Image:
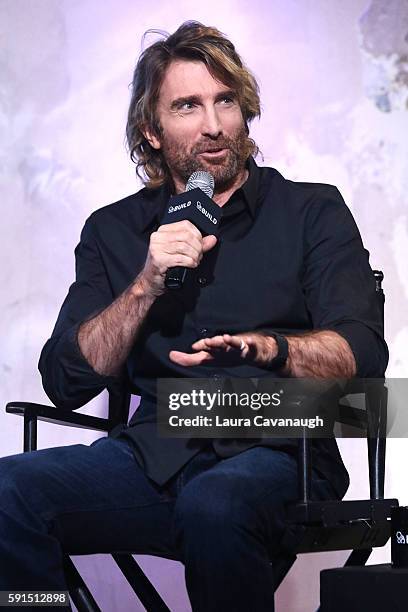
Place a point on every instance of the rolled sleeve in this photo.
(339, 284)
(369, 349)
(68, 378)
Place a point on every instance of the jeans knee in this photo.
(18, 482)
(9, 473)
(207, 509)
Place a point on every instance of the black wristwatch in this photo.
(283, 351)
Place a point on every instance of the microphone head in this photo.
(203, 180)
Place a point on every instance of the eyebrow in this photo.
(194, 99)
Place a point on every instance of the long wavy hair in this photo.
(191, 41)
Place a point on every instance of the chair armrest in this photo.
(51, 414)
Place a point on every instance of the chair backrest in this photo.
(379, 277)
(374, 418)
(119, 402)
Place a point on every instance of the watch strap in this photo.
(283, 352)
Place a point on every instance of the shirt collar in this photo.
(250, 188)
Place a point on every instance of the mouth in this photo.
(214, 153)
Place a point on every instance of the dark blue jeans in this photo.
(222, 517)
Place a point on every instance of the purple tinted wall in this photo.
(334, 87)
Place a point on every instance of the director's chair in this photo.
(313, 526)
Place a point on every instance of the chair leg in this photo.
(30, 433)
(79, 592)
(281, 567)
(139, 582)
(304, 467)
(358, 557)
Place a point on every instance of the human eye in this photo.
(186, 106)
(227, 100)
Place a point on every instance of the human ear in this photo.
(151, 137)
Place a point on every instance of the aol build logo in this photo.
(401, 538)
(179, 206)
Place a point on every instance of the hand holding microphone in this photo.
(189, 229)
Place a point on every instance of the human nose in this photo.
(211, 123)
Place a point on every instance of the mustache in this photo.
(212, 146)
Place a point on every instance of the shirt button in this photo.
(202, 280)
(204, 332)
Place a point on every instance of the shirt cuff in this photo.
(368, 347)
(68, 379)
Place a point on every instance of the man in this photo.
(285, 289)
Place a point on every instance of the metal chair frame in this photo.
(319, 526)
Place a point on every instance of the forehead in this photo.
(185, 78)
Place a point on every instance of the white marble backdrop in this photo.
(334, 85)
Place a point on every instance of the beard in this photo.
(182, 161)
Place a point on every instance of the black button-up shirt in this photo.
(289, 258)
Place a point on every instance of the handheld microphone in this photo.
(195, 205)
